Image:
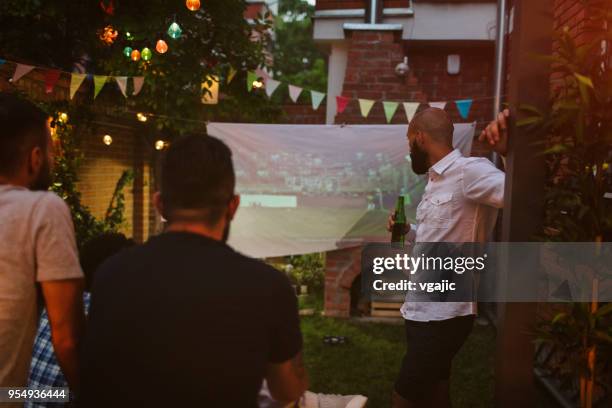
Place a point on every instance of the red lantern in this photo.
(161, 46)
(193, 5)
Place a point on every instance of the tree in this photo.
(67, 32)
(296, 57)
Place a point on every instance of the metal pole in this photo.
(500, 53)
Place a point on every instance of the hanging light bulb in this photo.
(161, 46)
(135, 55)
(160, 144)
(127, 51)
(146, 54)
(257, 84)
(107, 140)
(62, 117)
(193, 5)
(174, 31)
(141, 117)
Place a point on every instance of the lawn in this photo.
(369, 362)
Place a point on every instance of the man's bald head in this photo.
(436, 124)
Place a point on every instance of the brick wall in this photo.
(102, 165)
(303, 114)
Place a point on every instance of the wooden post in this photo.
(528, 83)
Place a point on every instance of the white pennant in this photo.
(439, 105)
(20, 71)
(294, 92)
(122, 83)
(410, 108)
(138, 82)
(271, 85)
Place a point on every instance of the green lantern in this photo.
(174, 31)
(127, 51)
(146, 54)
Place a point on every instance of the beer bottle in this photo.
(399, 226)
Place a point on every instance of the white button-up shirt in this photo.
(460, 204)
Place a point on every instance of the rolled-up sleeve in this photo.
(484, 183)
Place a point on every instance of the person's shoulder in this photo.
(476, 162)
(260, 270)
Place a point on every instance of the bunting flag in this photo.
(365, 105)
(251, 77)
(271, 85)
(341, 103)
(464, 106)
(2, 61)
(390, 108)
(316, 98)
(51, 78)
(262, 73)
(122, 83)
(138, 83)
(231, 73)
(210, 90)
(439, 105)
(294, 92)
(99, 81)
(410, 108)
(75, 82)
(20, 71)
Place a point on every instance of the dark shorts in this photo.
(430, 349)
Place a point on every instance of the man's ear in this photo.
(233, 206)
(157, 202)
(35, 161)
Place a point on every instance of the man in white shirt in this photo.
(459, 205)
(37, 248)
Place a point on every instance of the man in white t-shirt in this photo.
(37, 248)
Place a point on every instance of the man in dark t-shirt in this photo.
(184, 320)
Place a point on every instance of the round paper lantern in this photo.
(174, 31)
(127, 51)
(146, 54)
(135, 55)
(107, 140)
(193, 5)
(161, 46)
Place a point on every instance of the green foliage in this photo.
(59, 33)
(307, 270)
(579, 149)
(296, 57)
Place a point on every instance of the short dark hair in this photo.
(198, 175)
(436, 123)
(98, 249)
(22, 127)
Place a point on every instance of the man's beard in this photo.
(43, 181)
(419, 159)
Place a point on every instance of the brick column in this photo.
(342, 267)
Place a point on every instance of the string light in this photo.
(62, 117)
(257, 84)
(146, 54)
(127, 51)
(161, 46)
(160, 144)
(174, 31)
(193, 5)
(141, 117)
(135, 55)
(107, 140)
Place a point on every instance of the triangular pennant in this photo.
(122, 83)
(75, 82)
(51, 78)
(99, 81)
(463, 106)
(20, 71)
(210, 90)
(251, 77)
(271, 85)
(262, 73)
(365, 105)
(439, 105)
(341, 102)
(231, 73)
(294, 92)
(390, 108)
(410, 108)
(138, 83)
(316, 98)
(2, 61)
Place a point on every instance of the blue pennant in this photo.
(463, 106)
